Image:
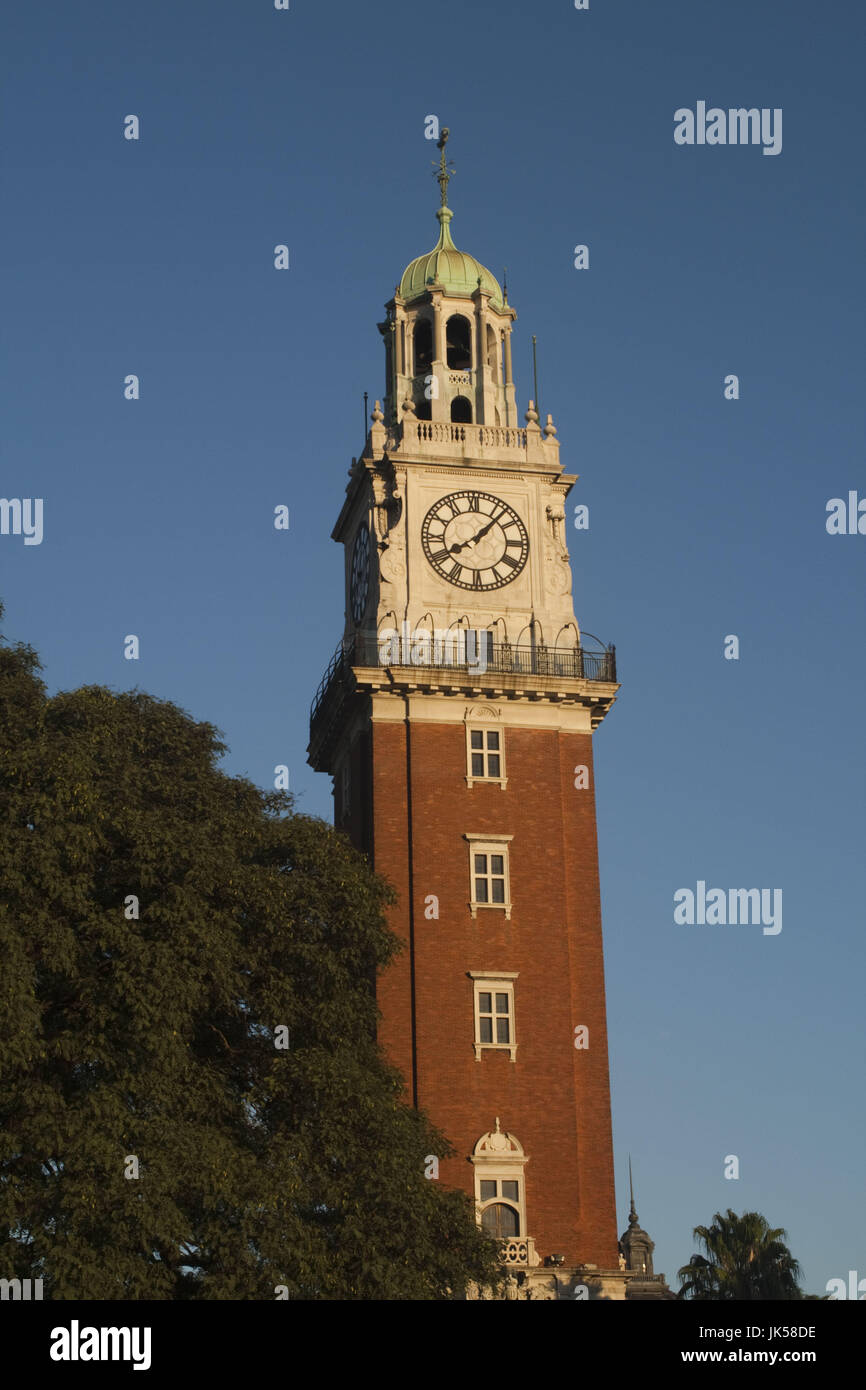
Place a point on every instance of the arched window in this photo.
(498, 1156)
(461, 411)
(423, 410)
(422, 342)
(501, 1221)
(458, 343)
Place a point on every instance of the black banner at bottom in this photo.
(252, 1340)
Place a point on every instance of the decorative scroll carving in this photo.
(387, 511)
(557, 571)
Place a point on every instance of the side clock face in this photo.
(475, 540)
(360, 584)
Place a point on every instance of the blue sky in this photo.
(707, 516)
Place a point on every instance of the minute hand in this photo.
(478, 534)
(484, 529)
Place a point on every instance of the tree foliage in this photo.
(744, 1259)
(153, 1038)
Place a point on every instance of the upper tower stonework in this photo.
(491, 557)
(456, 718)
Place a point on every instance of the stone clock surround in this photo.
(394, 493)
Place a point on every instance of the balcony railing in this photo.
(469, 652)
(518, 1252)
(486, 436)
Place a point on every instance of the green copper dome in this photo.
(457, 271)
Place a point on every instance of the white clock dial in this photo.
(475, 540)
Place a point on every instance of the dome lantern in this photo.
(448, 333)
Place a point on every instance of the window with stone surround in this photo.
(500, 1199)
(485, 754)
(489, 884)
(494, 1012)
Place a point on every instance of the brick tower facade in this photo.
(456, 719)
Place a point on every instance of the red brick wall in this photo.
(554, 1098)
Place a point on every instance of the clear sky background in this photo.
(707, 517)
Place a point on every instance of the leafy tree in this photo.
(744, 1259)
(160, 922)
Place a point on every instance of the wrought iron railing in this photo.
(466, 651)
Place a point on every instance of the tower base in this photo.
(580, 1283)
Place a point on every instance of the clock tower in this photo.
(456, 718)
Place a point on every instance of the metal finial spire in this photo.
(444, 168)
(505, 284)
(632, 1215)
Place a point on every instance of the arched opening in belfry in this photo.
(422, 346)
(493, 351)
(458, 343)
(461, 411)
(423, 410)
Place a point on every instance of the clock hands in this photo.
(484, 529)
(453, 549)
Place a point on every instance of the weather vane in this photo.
(443, 170)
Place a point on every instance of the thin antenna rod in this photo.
(535, 376)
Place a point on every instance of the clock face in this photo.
(475, 540)
(360, 585)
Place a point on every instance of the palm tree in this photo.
(745, 1259)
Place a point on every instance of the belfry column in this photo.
(438, 368)
(510, 401)
(485, 391)
(404, 384)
